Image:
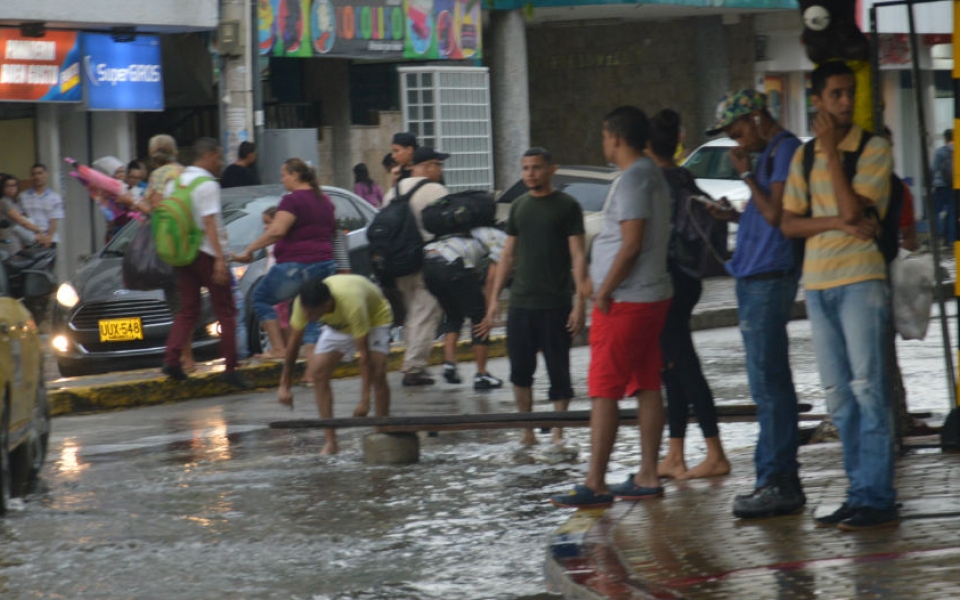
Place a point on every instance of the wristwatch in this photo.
(746, 175)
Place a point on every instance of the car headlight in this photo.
(238, 272)
(213, 329)
(67, 296)
(61, 344)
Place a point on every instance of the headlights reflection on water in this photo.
(69, 461)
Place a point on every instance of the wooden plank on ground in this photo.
(514, 420)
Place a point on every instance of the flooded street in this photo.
(201, 500)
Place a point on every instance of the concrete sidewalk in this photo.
(689, 545)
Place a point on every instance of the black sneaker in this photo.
(780, 496)
(866, 517)
(833, 519)
(450, 373)
(486, 381)
(416, 378)
(174, 372)
(236, 380)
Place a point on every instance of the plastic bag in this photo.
(142, 267)
(911, 281)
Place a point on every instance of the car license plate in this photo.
(121, 330)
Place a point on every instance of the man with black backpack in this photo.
(422, 310)
(846, 291)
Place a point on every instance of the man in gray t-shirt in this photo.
(632, 293)
(641, 193)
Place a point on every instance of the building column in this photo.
(510, 95)
(236, 81)
(328, 79)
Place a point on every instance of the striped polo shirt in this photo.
(835, 258)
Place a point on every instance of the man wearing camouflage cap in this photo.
(765, 267)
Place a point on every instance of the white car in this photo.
(711, 166)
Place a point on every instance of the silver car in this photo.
(95, 295)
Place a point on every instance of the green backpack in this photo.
(175, 231)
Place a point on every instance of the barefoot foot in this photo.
(330, 448)
(673, 468)
(529, 439)
(710, 467)
(362, 409)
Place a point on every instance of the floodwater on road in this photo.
(200, 500)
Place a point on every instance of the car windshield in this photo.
(711, 162)
(589, 193)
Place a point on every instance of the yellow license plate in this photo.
(121, 330)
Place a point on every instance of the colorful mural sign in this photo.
(44, 69)
(443, 29)
(345, 28)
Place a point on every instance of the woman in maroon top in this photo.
(302, 233)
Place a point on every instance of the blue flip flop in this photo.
(582, 497)
(628, 490)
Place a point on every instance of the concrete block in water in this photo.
(391, 448)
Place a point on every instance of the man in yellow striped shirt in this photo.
(846, 292)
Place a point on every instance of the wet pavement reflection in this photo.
(201, 500)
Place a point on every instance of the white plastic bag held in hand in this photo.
(912, 281)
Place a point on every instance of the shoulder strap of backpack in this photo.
(407, 196)
(809, 149)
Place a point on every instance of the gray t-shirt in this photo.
(640, 193)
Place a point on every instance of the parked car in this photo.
(24, 411)
(711, 167)
(587, 185)
(95, 295)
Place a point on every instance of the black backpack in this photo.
(460, 212)
(698, 242)
(396, 246)
(888, 242)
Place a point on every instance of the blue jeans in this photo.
(848, 324)
(281, 283)
(946, 213)
(763, 306)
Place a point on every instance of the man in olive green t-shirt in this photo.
(545, 251)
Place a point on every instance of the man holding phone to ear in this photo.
(765, 267)
(847, 300)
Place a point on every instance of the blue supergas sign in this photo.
(122, 75)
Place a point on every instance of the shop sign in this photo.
(443, 29)
(345, 28)
(123, 75)
(43, 69)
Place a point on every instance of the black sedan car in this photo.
(100, 326)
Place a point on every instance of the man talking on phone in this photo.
(844, 276)
(766, 268)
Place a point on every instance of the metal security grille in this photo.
(449, 108)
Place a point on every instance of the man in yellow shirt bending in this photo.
(357, 318)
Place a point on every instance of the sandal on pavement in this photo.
(628, 490)
(582, 497)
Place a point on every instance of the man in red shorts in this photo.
(632, 295)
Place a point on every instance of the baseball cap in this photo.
(425, 153)
(406, 139)
(735, 105)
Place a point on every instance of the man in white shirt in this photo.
(43, 206)
(208, 270)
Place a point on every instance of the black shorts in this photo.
(544, 330)
(459, 293)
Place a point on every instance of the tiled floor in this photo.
(688, 545)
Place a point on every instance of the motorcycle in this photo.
(27, 273)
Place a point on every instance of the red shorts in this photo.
(625, 349)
